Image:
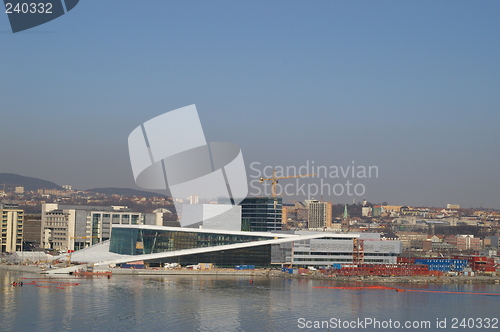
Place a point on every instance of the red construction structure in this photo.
(385, 270)
(480, 264)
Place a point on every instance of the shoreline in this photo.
(21, 268)
(410, 279)
(279, 274)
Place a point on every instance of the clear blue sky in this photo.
(409, 86)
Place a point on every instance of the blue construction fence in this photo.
(244, 267)
(444, 265)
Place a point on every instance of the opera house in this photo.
(156, 245)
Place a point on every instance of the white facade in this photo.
(212, 216)
(299, 249)
(72, 227)
(11, 228)
(332, 249)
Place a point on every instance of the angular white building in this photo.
(156, 245)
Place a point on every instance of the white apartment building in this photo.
(73, 227)
(319, 214)
(11, 228)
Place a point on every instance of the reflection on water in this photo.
(219, 303)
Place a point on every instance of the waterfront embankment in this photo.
(21, 268)
(226, 272)
(406, 279)
(278, 274)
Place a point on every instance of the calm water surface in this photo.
(210, 303)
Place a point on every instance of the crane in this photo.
(274, 180)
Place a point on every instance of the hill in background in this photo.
(32, 184)
(15, 180)
(125, 192)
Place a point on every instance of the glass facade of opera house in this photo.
(260, 256)
(139, 241)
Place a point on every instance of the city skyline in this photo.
(410, 88)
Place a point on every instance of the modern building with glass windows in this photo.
(151, 240)
(329, 250)
(191, 246)
(73, 227)
(261, 214)
(156, 245)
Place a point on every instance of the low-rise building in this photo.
(339, 248)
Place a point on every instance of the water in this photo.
(223, 303)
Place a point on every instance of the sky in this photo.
(408, 87)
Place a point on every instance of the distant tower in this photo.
(345, 219)
(364, 202)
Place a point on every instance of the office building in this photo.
(338, 248)
(319, 214)
(31, 231)
(261, 214)
(72, 227)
